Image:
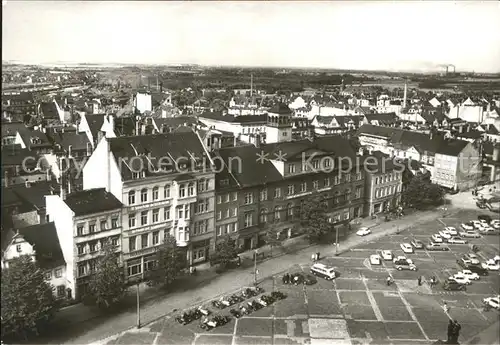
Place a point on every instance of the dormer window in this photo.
(224, 182)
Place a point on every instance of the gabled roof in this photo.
(77, 141)
(281, 109)
(34, 195)
(49, 110)
(452, 147)
(470, 135)
(324, 120)
(23, 96)
(95, 123)
(378, 162)
(163, 148)
(234, 119)
(7, 235)
(15, 155)
(125, 126)
(344, 120)
(9, 198)
(174, 122)
(383, 118)
(91, 201)
(45, 242)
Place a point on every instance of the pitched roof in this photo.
(92, 201)
(34, 195)
(281, 109)
(470, 135)
(344, 120)
(6, 238)
(174, 122)
(383, 118)
(34, 138)
(162, 148)
(452, 147)
(236, 119)
(95, 123)
(77, 141)
(9, 198)
(378, 162)
(11, 128)
(125, 126)
(49, 110)
(15, 155)
(44, 239)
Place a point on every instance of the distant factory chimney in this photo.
(251, 84)
(405, 95)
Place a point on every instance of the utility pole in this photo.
(138, 308)
(336, 242)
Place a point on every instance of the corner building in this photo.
(166, 183)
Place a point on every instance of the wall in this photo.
(22, 220)
(275, 135)
(62, 216)
(143, 102)
(11, 251)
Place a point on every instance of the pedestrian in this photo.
(451, 329)
(317, 256)
(445, 307)
(313, 257)
(419, 280)
(456, 332)
(389, 281)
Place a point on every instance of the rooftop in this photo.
(44, 239)
(92, 201)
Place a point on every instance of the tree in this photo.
(315, 220)
(107, 285)
(28, 302)
(169, 263)
(272, 237)
(421, 193)
(225, 252)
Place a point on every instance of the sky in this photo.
(390, 35)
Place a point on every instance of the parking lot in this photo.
(358, 307)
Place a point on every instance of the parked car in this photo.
(460, 278)
(403, 263)
(484, 217)
(478, 269)
(496, 258)
(491, 265)
(444, 234)
(452, 285)
(436, 246)
(470, 234)
(493, 302)
(471, 259)
(467, 226)
(417, 244)
(471, 275)
(402, 258)
(436, 238)
(406, 248)
(386, 254)
(310, 279)
(363, 232)
(457, 240)
(481, 204)
(375, 259)
(451, 230)
(477, 224)
(495, 226)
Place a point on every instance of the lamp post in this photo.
(336, 242)
(138, 307)
(255, 272)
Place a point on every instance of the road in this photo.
(358, 305)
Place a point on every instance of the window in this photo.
(202, 206)
(219, 230)
(235, 196)
(291, 168)
(263, 215)
(336, 180)
(103, 225)
(263, 195)
(82, 269)
(81, 249)
(182, 191)
(144, 217)
(131, 243)
(131, 197)
(180, 212)
(233, 212)
(277, 193)
(156, 237)
(166, 213)
(248, 220)
(228, 213)
(291, 189)
(134, 267)
(156, 215)
(315, 164)
(155, 193)
(303, 187)
(376, 180)
(348, 177)
(219, 215)
(114, 222)
(203, 185)
(131, 220)
(224, 182)
(166, 191)
(191, 189)
(79, 230)
(114, 241)
(348, 194)
(277, 213)
(289, 210)
(91, 228)
(219, 199)
(328, 162)
(248, 198)
(144, 240)
(93, 246)
(346, 215)
(326, 182)
(200, 227)
(359, 190)
(144, 195)
(315, 185)
(359, 176)
(18, 248)
(235, 227)
(48, 275)
(226, 197)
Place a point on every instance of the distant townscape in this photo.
(137, 177)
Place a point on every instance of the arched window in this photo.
(277, 213)
(263, 215)
(155, 193)
(182, 190)
(166, 191)
(131, 197)
(191, 189)
(144, 195)
(289, 210)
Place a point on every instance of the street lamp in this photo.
(138, 306)
(336, 242)
(255, 271)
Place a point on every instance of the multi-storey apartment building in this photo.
(271, 191)
(166, 182)
(85, 221)
(383, 183)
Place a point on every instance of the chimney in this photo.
(69, 151)
(405, 95)
(6, 178)
(161, 86)
(496, 153)
(137, 127)
(62, 192)
(431, 134)
(49, 175)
